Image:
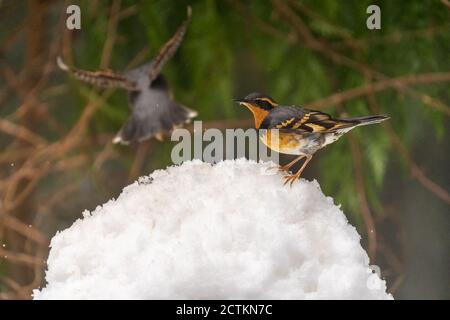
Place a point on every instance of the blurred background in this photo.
(392, 180)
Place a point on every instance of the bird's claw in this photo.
(290, 179)
(278, 168)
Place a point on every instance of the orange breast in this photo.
(258, 114)
(282, 142)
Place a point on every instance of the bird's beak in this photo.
(240, 101)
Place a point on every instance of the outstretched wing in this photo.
(169, 48)
(104, 79)
(291, 118)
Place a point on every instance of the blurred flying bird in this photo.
(300, 131)
(154, 112)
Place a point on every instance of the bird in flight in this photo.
(297, 130)
(154, 111)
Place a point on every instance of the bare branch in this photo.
(425, 78)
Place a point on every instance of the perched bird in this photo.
(301, 131)
(154, 112)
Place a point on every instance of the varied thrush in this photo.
(154, 112)
(300, 131)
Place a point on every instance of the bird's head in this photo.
(259, 104)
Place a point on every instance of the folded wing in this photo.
(302, 120)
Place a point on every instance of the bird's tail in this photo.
(362, 121)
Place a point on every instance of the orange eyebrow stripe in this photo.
(268, 100)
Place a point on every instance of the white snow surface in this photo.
(201, 231)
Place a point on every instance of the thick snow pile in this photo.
(199, 231)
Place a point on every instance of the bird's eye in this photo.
(264, 104)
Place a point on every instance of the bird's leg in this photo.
(290, 164)
(292, 177)
(287, 166)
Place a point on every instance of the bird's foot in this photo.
(291, 178)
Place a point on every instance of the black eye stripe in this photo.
(264, 104)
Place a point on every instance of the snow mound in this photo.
(197, 231)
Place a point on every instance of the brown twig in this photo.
(394, 37)
(21, 292)
(322, 47)
(111, 34)
(20, 258)
(24, 230)
(136, 168)
(21, 133)
(415, 170)
(425, 78)
(338, 30)
(42, 159)
(446, 3)
(267, 28)
(362, 198)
